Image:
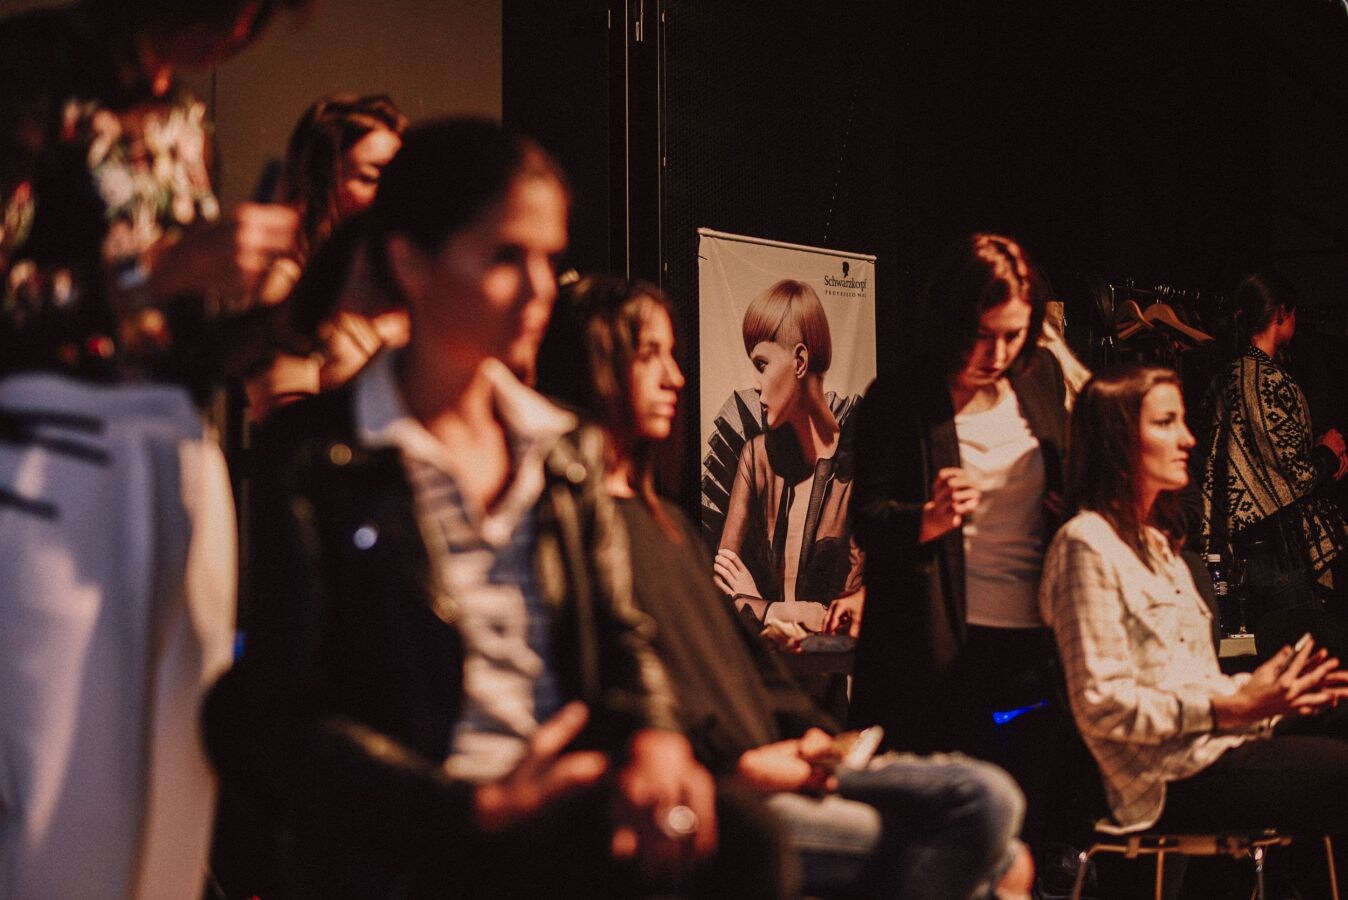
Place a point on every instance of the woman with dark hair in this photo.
(957, 466)
(1181, 747)
(443, 597)
(334, 159)
(905, 827)
(1265, 476)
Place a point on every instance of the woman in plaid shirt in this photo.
(1180, 745)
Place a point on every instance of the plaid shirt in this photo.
(1136, 648)
(485, 557)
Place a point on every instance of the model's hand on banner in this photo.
(735, 580)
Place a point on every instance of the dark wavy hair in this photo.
(974, 275)
(1258, 299)
(331, 126)
(1104, 454)
(585, 362)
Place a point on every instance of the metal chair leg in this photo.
(1160, 876)
(1083, 860)
(1259, 872)
(1333, 872)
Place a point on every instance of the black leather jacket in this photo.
(339, 713)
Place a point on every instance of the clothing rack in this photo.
(1120, 327)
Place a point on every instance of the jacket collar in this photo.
(533, 428)
(532, 424)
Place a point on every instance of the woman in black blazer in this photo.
(958, 468)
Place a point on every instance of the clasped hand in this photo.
(1334, 441)
(1301, 681)
(797, 765)
(660, 777)
(953, 496)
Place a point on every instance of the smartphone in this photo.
(863, 748)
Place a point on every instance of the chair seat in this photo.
(1143, 843)
(1237, 844)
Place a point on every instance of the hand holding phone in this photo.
(850, 749)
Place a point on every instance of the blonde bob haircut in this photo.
(787, 313)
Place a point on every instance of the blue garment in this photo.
(908, 827)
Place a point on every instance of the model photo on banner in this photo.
(787, 348)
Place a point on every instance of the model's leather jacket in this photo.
(340, 711)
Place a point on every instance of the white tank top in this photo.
(1003, 538)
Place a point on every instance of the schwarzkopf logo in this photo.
(844, 281)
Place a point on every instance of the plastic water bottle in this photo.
(1228, 616)
(1217, 569)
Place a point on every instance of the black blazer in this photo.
(914, 629)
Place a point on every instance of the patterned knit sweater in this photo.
(1261, 458)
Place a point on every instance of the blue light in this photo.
(1001, 718)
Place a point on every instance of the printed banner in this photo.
(787, 346)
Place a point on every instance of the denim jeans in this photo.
(908, 826)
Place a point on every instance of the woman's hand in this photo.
(542, 775)
(665, 812)
(844, 614)
(1292, 682)
(953, 496)
(227, 257)
(1334, 441)
(735, 580)
(787, 765)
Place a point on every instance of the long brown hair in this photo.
(332, 125)
(1104, 454)
(586, 359)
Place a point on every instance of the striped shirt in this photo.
(1136, 648)
(485, 560)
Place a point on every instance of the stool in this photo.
(1252, 844)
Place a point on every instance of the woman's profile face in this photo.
(359, 170)
(491, 286)
(777, 385)
(1164, 441)
(655, 378)
(1002, 331)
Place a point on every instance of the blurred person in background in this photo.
(334, 159)
(117, 580)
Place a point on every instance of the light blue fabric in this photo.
(908, 827)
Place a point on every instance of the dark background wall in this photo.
(432, 57)
(1176, 142)
(1183, 143)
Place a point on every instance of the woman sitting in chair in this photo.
(1181, 746)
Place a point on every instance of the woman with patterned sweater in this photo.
(1263, 470)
